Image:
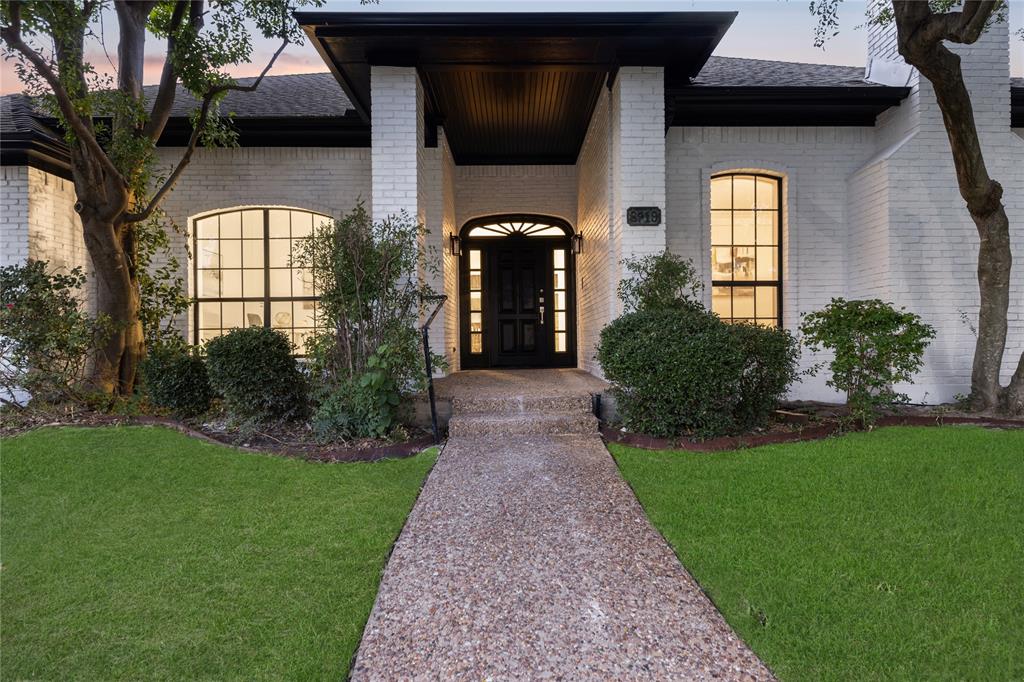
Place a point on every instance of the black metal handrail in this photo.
(425, 332)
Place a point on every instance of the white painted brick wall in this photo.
(638, 157)
(930, 246)
(595, 267)
(814, 164)
(38, 221)
(321, 179)
(450, 226)
(14, 210)
(488, 190)
(396, 138)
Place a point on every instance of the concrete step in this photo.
(520, 404)
(528, 423)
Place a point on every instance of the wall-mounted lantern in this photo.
(577, 244)
(454, 245)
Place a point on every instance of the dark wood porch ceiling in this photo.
(511, 87)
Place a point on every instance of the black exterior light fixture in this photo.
(577, 244)
(454, 245)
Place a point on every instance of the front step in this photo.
(520, 404)
(527, 423)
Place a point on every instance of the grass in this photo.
(137, 552)
(897, 554)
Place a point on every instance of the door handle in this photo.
(542, 315)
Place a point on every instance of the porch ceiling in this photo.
(511, 87)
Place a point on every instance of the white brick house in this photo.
(590, 138)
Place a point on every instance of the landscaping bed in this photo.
(140, 553)
(806, 422)
(287, 439)
(889, 554)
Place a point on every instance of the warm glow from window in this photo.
(561, 321)
(527, 228)
(476, 314)
(244, 276)
(746, 260)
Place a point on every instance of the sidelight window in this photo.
(244, 275)
(476, 309)
(746, 248)
(560, 311)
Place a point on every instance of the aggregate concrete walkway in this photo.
(528, 557)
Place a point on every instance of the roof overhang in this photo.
(780, 106)
(471, 65)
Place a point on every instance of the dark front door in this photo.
(517, 303)
(517, 306)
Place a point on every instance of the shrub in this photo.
(369, 352)
(176, 379)
(875, 347)
(46, 338)
(770, 367)
(361, 408)
(253, 369)
(663, 280)
(677, 368)
(672, 371)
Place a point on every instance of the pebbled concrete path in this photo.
(529, 557)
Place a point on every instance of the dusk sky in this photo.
(764, 29)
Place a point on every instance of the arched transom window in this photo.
(746, 248)
(244, 277)
(526, 228)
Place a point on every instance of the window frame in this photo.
(266, 299)
(733, 283)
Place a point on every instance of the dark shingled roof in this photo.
(308, 95)
(736, 72)
(18, 117)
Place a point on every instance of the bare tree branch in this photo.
(169, 77)
(197, 131)
(83, 132)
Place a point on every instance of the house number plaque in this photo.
(643, 215)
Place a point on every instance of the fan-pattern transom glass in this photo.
(244, 275)
(746, 248)
(526, 228)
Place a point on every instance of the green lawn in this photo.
(897, 554)
(133, 553)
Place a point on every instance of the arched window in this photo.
(746, 248)
(243, 273)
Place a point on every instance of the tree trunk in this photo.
(117, 297)
(984, 203)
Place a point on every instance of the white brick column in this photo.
(396, 136)
(637, 141)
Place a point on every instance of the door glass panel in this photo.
(529, 334)
(560, 343)
(508, 336)
(474, 301)
(508, 292)
(526, 292)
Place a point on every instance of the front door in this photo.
(516, 303)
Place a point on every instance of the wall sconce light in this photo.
(577, 244)
(454, 245)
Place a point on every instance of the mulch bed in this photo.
(284, 442)
(792, 433)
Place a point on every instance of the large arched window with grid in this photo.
(244, 276)
(746, 248)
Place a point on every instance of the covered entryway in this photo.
(517, 293)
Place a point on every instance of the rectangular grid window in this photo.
(746, 248)
(476, 309)
(561, 313)
(244, 275)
